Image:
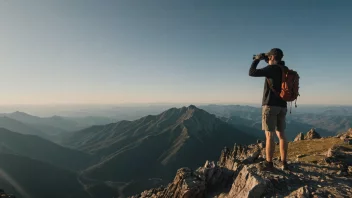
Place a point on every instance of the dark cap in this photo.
(276, 52)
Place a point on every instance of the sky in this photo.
(176, 51)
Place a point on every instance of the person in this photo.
(274, 109)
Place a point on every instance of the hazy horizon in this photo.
(122, 52)
(112, 110)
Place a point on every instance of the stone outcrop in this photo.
(346, 137)
(248, 184)
(339, 154)
(229, 158)
(312, 134)
(236, 175)
(185, 185)
(299, 137)
(302, 192)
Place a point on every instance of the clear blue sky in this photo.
(131, 51)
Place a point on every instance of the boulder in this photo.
(302, 192)
(248, 184)
(312, 134)
(239, 153)
(299, 137)
(185, 185)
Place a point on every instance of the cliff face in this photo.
(322, 167)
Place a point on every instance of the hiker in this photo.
(274, 108)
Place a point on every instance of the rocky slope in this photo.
(30, 178)
(319, 167)
(34, 147)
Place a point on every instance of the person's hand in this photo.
(260, 56)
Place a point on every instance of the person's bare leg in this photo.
(270, 146)
(283, 145)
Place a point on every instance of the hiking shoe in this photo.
(266, 166)
(284, 166)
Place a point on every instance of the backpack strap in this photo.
(283, 71)
(271, 86)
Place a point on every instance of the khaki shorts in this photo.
(273, 118)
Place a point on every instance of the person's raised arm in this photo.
(254, 72)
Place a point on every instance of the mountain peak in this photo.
(20, 113)
(186, 113)
(192, 107)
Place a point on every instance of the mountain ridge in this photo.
(164, 141)
(41, 149)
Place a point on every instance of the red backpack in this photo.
(289, 86)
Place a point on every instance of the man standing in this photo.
(274, 108)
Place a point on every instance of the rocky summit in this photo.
(319, 167)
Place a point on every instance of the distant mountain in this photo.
(327, 120)
(155, 146)
(255, 127)
(54, 121)
(17, 126)
(338, 111)
(83, 122)
(37, 148)
(246, 112)
(51, 127)
(247, 126)
(30, 178)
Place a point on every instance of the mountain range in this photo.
(327, 120)
(100, 157)
(154, 146)
(119, 158)
(50, 128)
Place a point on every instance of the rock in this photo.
(302, 192)
(185, 185)
(248, 184)
(330, 153)
(339, 173)
(259, 141)
(244, 154)
(312, 134)
(299, 137)
(350, 169)
(261, 145)
(300, 155)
